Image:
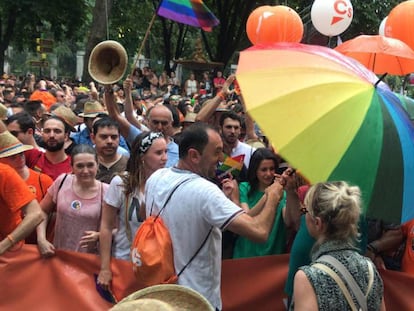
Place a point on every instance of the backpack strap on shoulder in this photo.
(127, 225)
(61, 183)
(349, 280)
(170, 195)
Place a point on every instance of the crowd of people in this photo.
(81, 167)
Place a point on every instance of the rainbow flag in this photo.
(190, 12)
(231, 166)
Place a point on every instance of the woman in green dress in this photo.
(260, 175)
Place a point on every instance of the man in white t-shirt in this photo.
(198, 210)
(230, 128)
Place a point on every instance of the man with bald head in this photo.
(160, 119)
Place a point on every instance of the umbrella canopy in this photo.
(324, 114)
(407, 103)
(380, 54)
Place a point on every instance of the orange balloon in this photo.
(271, 24)
(400, 23)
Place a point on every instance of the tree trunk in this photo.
(7, 33)
(101, 13)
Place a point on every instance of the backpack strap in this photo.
(347, 277)
(338, 281)
(127, 225)
(371, 277)
(61, 183)
(205, 239)
(170, 195)
(60, 187)
(40, 185)
(196, 253)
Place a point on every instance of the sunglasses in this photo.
(15, 133)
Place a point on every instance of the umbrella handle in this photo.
(380, 79)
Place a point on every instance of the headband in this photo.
(146, 143)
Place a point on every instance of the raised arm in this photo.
(250, 133)
(211, 105)
(257, 228)
(292, 209)
(114, 113)
(129, 111)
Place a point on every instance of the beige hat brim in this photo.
(91, 115)
(14, 149)
(179, 297)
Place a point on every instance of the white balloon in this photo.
(381, 30)
(331, 17)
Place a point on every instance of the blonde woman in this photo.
(123, 206)
(332, 213)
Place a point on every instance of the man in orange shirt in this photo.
(15, 198)
(12, 154)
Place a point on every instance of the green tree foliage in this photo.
(83, 23)
(22, 21)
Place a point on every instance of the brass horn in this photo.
(108, 62)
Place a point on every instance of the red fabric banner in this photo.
(66, 282)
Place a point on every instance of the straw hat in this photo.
(172, 297)
(91, 109)
(3, 112)
(143, 304)
(67, 115)
(190, 117)
(10, 145)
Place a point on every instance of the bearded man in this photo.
(54, 161)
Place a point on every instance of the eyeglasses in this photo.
(305, 211)
(15, 133)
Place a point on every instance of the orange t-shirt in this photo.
(38, 183)
(407, 264)
(14, 194)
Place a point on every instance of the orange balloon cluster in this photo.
(271, 24)
(400, 23)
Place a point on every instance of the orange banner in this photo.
(66, 282)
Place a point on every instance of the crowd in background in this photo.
(95, 146)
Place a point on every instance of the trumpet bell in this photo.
(108, 62)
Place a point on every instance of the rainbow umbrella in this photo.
(407, 103)
(328, 116)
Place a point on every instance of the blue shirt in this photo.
(172, 147)
(84, 137)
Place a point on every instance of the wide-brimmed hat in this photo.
(10, 145)
(172, 297)
(190, 117)
(91, 109)
(3, 112)
(67, 115)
